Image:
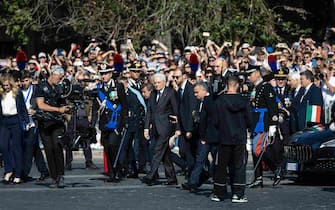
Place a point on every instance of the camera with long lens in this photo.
(77, 97)
(77, 92)
(243, 81)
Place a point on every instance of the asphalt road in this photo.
(86, 189)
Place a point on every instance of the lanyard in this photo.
(28, 94)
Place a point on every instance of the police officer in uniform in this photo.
(136, 113)
(140, 146)
(264, 117)
(112, 109)
(50, 103)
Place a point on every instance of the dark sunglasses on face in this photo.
(175, 77)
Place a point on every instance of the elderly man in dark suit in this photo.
(311, 96)
(162, 107)
(297, 93)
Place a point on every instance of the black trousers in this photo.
(53, 147)
(236, 155)
(161, 153)
(111, 142)
(31, 149)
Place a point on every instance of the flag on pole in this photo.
(313, 113)
(272, 60)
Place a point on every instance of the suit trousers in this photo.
(53, 148)
(236, 155)
(201, 158)
(111, 142)
(161, 153)
(31, 149)
(11, 145)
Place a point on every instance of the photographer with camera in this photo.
(48, 99)
(328, 90)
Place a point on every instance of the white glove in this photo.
(332, 127)
(272, 130)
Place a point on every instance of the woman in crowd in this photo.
(14, 121)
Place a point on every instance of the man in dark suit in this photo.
(162, 107)
(297, 93)
(311, 96)
(207, 137)
(186, 107)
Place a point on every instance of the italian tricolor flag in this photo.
(313, 113)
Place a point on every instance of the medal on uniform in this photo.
(114, 106)
(113, 95)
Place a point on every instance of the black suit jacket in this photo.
(207, 130)
(294, 118)
(312, 97)
(158, 113)
(186, 107)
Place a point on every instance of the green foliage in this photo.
(226, 20)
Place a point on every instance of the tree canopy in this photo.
(246, 20)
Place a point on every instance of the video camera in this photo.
(77, 92)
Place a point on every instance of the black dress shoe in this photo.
(91, 165)
(170, 183)
(185, 186)
(132, 175)
(256, 183)
(27, 179)
(43, 177)
(147, 181)
(142, 171)
(189, 187)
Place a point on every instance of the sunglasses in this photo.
(175, 77)
(137, 72)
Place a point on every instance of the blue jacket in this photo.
(21, 109)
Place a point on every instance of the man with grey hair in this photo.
(207, 138)
(48, 100)
(161, 114)
(297, 92)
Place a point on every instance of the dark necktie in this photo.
(158, 96)
(180, 93)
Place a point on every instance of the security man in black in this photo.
(112, 109)
(50, 108)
